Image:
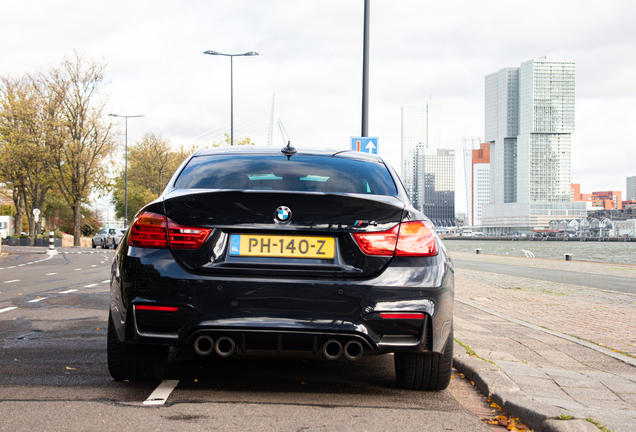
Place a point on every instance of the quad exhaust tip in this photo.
(332, 349)
(204, 345)
(224, 346)
(353, 350)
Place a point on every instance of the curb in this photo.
(491, 381)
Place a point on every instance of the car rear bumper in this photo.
(280, 314)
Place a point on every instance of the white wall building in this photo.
(481, 190)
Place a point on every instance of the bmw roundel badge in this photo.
(283, 214)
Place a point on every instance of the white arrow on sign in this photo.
(370, 147)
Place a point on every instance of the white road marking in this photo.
(89, 286)
(37, 300)
(1, 268)
(11, 267)
(7, 309)
(11, 281)
(77, 269)
(106, 281)
(30, 263)
(161, 393)
(94, 265)
(21, 265)
(67, 291)
(50, 274)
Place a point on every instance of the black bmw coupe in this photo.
(265, 252)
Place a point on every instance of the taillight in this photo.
(378, 243)
(152, 230)
(184, 237)
(149, 230)
(416, 239)
(405, 239)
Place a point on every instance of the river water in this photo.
(610, 252)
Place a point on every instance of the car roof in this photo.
(271, 150)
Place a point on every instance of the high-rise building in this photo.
(631, 189)
(436, 184)
(529, 124)
(477, 173)
(421, 131)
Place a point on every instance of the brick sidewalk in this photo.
(606, 318)
(547, 369)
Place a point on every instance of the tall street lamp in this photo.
(126, 166)
(251, 53)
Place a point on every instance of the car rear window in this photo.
(279, 173)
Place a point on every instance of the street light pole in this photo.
(126, 165)
(250, 53)
(365, 70)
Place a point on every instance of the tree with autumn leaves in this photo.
(54, 134)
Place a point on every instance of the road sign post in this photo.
(368, 145)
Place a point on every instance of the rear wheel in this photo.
(134, 362)
(93, 244)
(425, 371)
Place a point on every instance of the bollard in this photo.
(51, 250)
(477, 251)
(568, 256)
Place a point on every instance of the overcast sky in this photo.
(311, 58)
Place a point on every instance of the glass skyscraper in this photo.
(421, 131)
(436, 185)
(529, 123)
(631, 189)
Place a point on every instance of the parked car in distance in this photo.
(263, 252)
(99, 239)
(114, 237)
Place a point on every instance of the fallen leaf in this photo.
(195, 380)
(70, 368)
(15, 359)
(97, 328)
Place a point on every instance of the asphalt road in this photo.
(613, 283)
(53, 372)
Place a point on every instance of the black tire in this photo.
(93, 244)
(425, 371)
(134, 362)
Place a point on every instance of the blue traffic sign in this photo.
(365, 144)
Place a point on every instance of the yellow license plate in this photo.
(282, 246)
